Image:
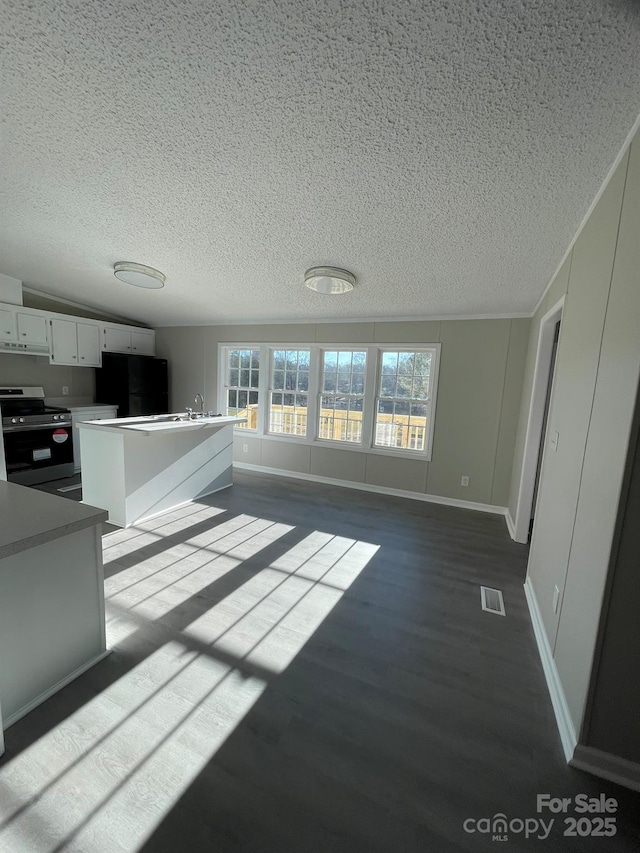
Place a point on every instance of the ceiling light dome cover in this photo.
(139, 275)
(329, 280)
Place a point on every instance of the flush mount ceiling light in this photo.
(329, 280)
(139, 275)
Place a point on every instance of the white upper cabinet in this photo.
(68, 339)
(7, 325)
(75, 343)
(89, 354)
(32, 328)
(132, 341)
(143, 343)
(116, 339)
(64, 343)
(23, 330)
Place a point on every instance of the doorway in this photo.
(545, 418)
(548, 339)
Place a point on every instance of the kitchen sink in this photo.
(167, 419)
(164, 418)
(157, 419)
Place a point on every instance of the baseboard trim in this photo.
(510, 525)
(607, 766)
(554, 685)
(9, 721)
(368, 487)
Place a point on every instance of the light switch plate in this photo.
(553, 440)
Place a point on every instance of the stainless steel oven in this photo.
(37, 438)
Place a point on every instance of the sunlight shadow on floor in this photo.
(105, 778)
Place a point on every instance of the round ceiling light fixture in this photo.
(330, 280)
(139, 275)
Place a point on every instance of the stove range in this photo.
(37, 438)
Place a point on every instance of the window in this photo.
(403, 401)
(365, 397)
(288, 395)
(342, 395)
(242, 383)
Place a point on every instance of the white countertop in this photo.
(128, 426)
(95, 407)
(31, 517)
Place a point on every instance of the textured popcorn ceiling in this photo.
(445, 152)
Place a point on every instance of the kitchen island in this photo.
(137, 468)
(52, 624)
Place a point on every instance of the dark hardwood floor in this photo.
(300, 667)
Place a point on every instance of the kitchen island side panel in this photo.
(165, 470)
(103, 475)
(51, 618)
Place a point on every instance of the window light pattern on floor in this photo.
(105, 777)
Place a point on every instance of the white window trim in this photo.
(321, 349)
(368, 419)
(222, 374)
(433, 383)
(270, 390)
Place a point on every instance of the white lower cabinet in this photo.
(90, 413)
(51, 607)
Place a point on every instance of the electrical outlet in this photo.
(464, 481)
(245, 448)
(556, 599)
(65, 390)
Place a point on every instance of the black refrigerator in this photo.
(136, 384)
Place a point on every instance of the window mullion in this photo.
(223, 358)
(370, 391)
(263, 390)
(315, 364)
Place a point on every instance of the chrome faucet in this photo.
(195, 400)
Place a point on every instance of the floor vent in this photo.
(492, 600)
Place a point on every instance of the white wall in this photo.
(36, 370)
(612, 724)
(605, 454)
(597, 372)
(481, 367)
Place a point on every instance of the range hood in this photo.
(24, 349)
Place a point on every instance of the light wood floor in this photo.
(298, 667)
